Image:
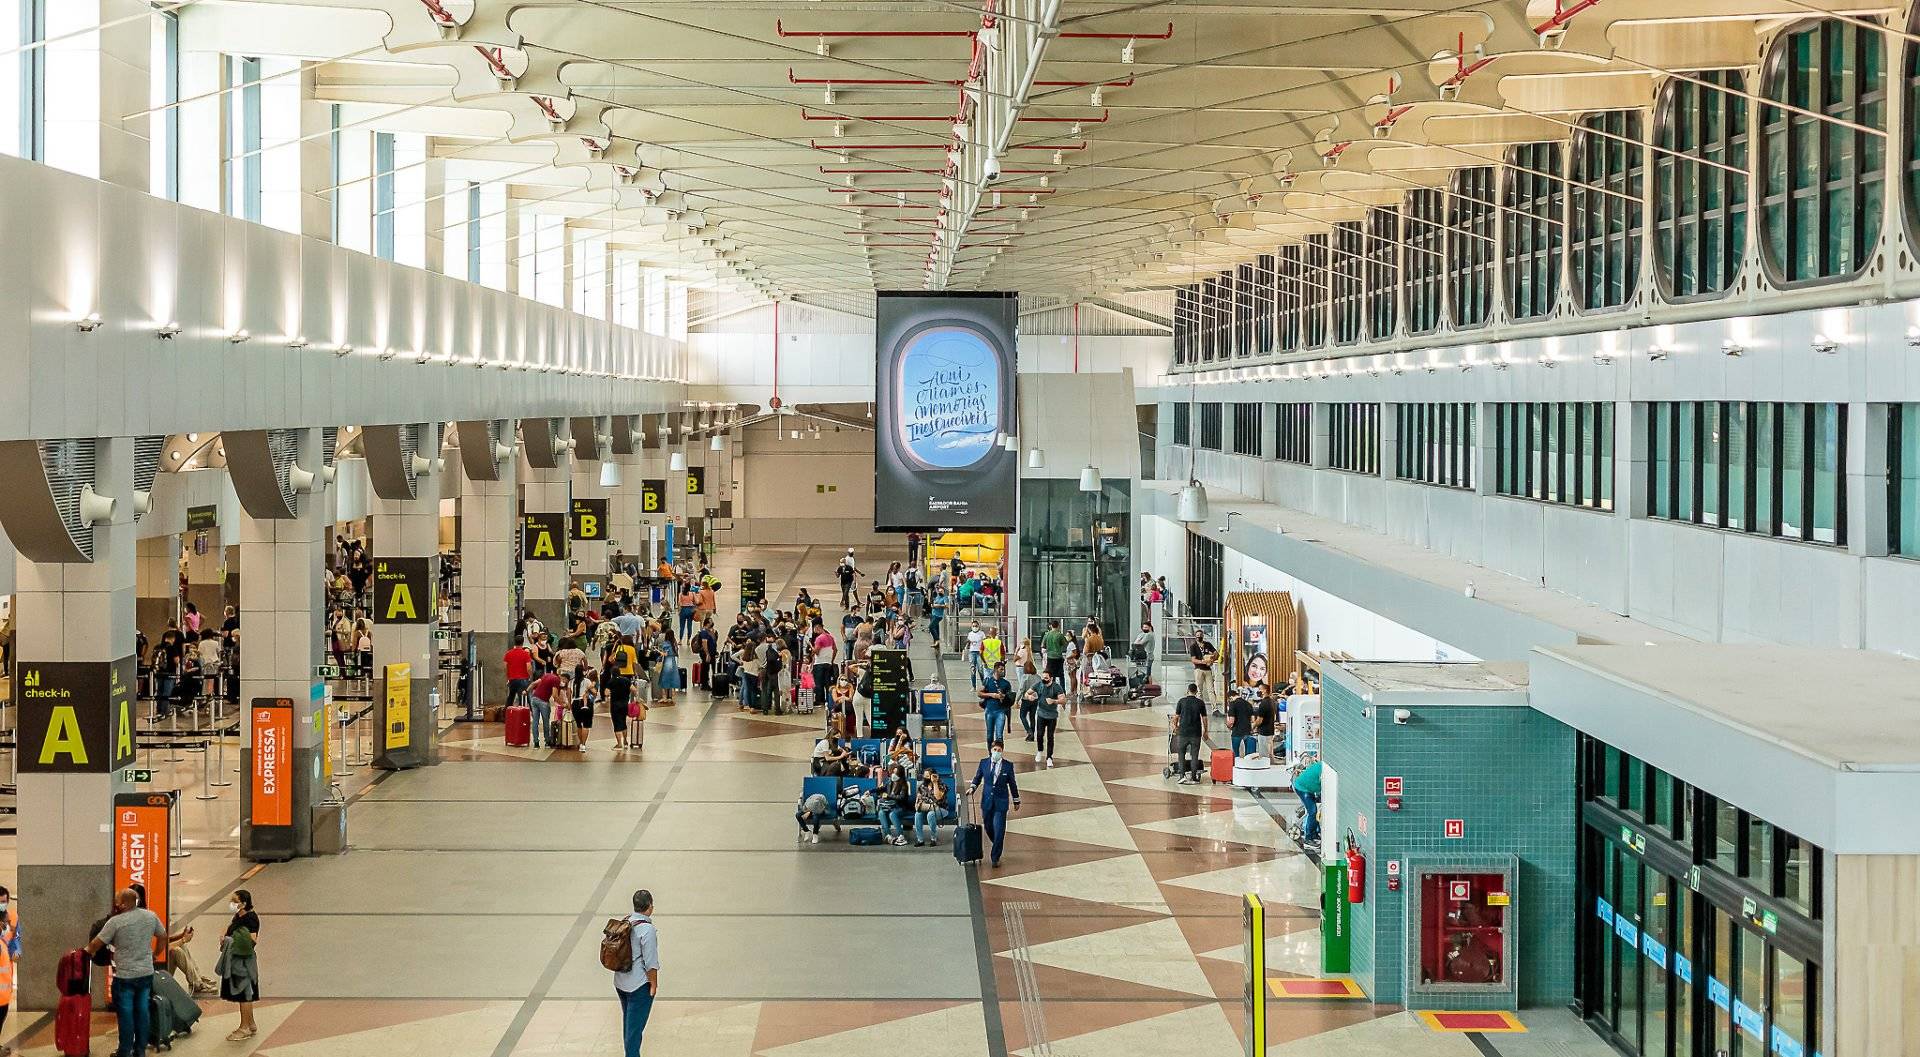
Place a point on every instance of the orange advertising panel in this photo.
(272, 761)
(141, 840)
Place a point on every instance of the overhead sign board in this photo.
(589, 522)
(543, 537)
(403, 590)
(75, 717)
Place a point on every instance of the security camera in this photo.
(993, 170)
(1402, 717)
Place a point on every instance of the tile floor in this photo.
(465, 920)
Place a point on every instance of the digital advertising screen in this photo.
(944, 396)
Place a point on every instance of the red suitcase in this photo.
(72, 1028)
(519, 726)
(699, 674)
(1223, 766)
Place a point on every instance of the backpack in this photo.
(616, 945)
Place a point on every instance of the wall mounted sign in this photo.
(696, 480)
(201, 518)
(75, 717)
(1455, 829)
(946, 395)
(398, 727)
(653, 495)
(403, 590)
(543, 537)
(589, 522)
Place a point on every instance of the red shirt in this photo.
(519, 663)
(544, 686)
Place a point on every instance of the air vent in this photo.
(329, 441)
(146, 466)
(412, 436)
(69, 466)
(284, 446)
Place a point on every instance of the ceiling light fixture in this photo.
(343, 349)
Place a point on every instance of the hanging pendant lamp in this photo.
(1193, 503)
(1090, 478)
(1036, 459)
(719, 443)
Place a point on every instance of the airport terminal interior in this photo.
(963, 528)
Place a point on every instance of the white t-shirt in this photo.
(974, 639)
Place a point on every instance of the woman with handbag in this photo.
(239, 965)
(671, 678)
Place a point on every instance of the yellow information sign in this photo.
(399, 725)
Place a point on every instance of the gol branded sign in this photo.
(76, 717)
(142, 835)
(272, 761)
(403, 590)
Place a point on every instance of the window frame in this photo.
(1423, 265)
(1680, 145)
(1293, 433)
(1606, 160)
(1677, 478)
(1382, 272)
(1532, 222)
(1471, 223)
(1212, 427)
(1347, 243)
(1867, 174)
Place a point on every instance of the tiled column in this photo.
(489, 566)
(157, 598)
(405, 631)
(625, 536)
(282, 613)
(1321, 444)
(589, 556)
(73, 612)
(97, 72)
(1868, 462)
(548, 491)
(1486, 451)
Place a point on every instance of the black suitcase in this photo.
(720, 683)
(967, 842)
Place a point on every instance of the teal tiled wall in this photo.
(1508, 772)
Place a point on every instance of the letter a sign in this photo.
(543, 537)
(75, 717)
(403, 590)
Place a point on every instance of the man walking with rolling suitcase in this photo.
(995, 773)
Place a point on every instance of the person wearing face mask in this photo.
(896, 803)
(995, 773)
(239, 967)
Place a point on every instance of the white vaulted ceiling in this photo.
(801, 148)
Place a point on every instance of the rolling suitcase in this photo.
(181, 1007)
(968, 837)
(566, 733)
(1222, 766)
(71, 1028)
(519, 726)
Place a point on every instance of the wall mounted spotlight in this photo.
(168, 330)
(343, 350)
(1498, 365)
(239, 337)
(422, 356)
(297, 342)
(1913, 337)
(1657, 353)
(1732, 347)
(1822, 343)
(389, 353)
(1601, 359)
(88, 323)
(1548, 362)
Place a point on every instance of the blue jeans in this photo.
(933, 626)
(893, 822)
(1245, 745)
(542, 715)
(993, 819)
(686, 623)
(1310, 828)
(996, 724)
(979, 671)
(133, 1005)
(515, 688)
(926, 826)
(635, 1007)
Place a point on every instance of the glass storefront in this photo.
(1701, 931)
(1076, 552)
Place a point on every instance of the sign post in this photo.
(270, 780)
(398, 727)
(1254, 914)
(753, 586)
(142, 835)
(890, 690)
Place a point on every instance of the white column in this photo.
(408, 530)
(95, 77)
(547, 581)
(489, 567)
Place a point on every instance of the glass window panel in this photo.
(1628, 1021)
(1711, 453)
(1793, 467)
(1905, 477)
(1789, 1004)
(1726, 837)
(1686, 460)
(1766, 467)
(1720, 984)
(1661, 497)
(1829, 480)
(1658, 925)
(1759, 862)
(1800, 863)
(1750, 991)
(1735, 422)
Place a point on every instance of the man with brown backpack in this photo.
(630, 947)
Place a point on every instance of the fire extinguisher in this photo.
(1356, 873)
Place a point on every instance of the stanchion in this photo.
(173, 737)
(197, 726)
(206, 779)
(220, 753)
(1254, 962)
(342, 768)
(178, 852)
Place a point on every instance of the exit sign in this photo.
(138, 776)
(1455, 829)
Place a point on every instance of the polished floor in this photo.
(465, 919)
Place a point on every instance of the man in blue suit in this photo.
(996, 773)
